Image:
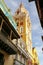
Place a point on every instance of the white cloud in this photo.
(42, 32)
(39, 49)
(37, 44)
(40, 54)
(35, 27)
(14, 3)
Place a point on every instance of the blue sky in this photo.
(37, 31)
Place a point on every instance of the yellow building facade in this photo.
(11, 47)
(23, 21)
(35, 56)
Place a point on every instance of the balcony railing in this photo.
(21, 46)
(17, 62)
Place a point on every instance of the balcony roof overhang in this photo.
(7, 20)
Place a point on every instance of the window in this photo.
(21, 29)
(17, 23)
(18, 12)
(21, 23)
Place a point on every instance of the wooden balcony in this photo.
(7, 34)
